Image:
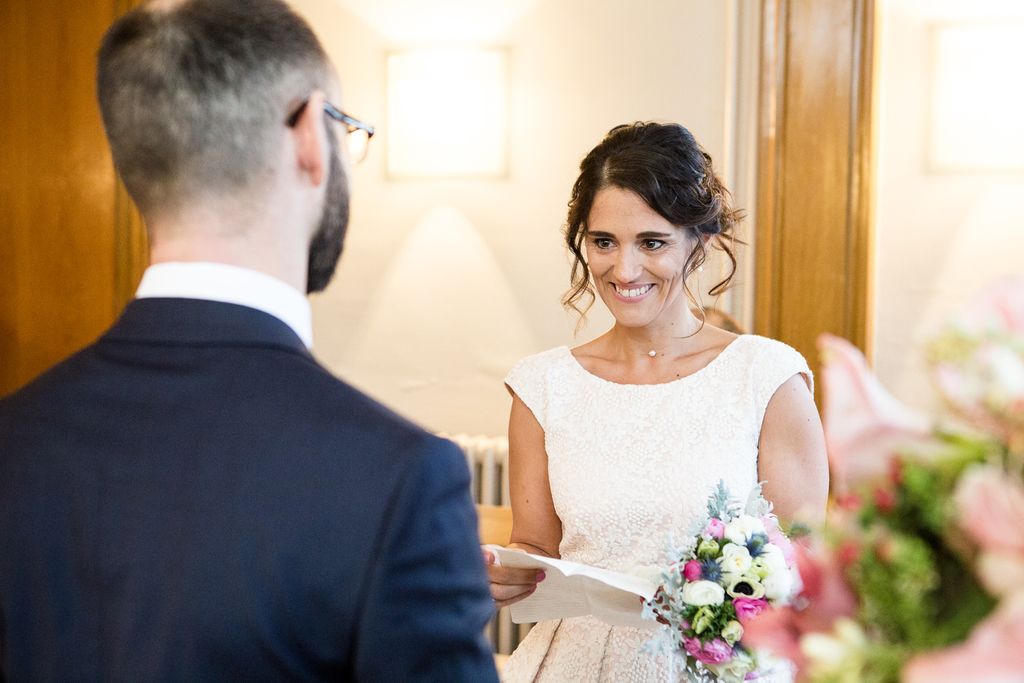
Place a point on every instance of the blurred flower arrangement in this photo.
(920, 573)
(732, 565)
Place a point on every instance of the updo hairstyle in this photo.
(668, 169)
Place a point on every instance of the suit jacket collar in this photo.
(201, 322)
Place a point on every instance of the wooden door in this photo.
(815, 172)
(72, 247)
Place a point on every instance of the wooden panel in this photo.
(814, 205)
(68, 238)
(494, 524)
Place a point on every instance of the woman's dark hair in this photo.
(666, 167)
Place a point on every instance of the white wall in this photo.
(940, 235)
(416, 316)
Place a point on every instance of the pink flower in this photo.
(986, 388)
(885, 499)
(863, 422)
(692, 570)
(828, 598)
(848, 552)
(715, 651)
(1000, 306)
(779, 540)
(849, 501)
(991, 507)
(747, 608)
(715, 528)
(977, 367)
(994, 652)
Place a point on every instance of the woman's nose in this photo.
(627, 266)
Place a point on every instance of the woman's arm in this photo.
(791, 455)
(535, 525)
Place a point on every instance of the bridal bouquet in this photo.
(733, 564)
(921, 578)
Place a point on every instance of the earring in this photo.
(700, 269)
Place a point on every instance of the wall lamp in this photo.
(447, 114)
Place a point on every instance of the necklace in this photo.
(652, 353)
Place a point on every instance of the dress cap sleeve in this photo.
(775, 363)
(529, 379)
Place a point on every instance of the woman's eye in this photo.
(653, 244)
(602, 243)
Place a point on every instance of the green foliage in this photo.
(717, 618)
(883, 663)
(721, 505)
(894, 584)
(916, 589)
(797, 530)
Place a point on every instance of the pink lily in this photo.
(864, 423)
(994, 652)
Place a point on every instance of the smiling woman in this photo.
(638, 259)
(664, 169)
(616, 443)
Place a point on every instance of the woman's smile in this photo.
(631, 293)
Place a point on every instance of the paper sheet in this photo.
(570, 589)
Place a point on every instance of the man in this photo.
(193, 497)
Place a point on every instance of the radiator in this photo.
(487, 457)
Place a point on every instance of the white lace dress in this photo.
(627, 465)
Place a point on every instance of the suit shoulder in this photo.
(331, 401)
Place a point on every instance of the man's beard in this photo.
(325, 246)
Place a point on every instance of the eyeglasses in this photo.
(358, 134)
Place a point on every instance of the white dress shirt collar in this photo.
(233, 285)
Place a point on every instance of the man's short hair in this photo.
(195, 94)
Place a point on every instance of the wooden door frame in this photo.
(73, 246)
(779, 230)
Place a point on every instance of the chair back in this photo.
(495, 524)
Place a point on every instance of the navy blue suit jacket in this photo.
(194, 498)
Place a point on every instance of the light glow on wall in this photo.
(412, 23)
(447, 114)
(977, 97)
(442, 329)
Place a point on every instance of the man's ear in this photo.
(310, 137)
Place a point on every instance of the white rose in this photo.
(735, 670)
(757, 506)
(824, 650)
(773, 558)
(701, 593)
(732, 632)
(1004, 371)
(778, 585)
(735, 559)
(742, 528)
(829, 653)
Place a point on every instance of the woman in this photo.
(616, 443)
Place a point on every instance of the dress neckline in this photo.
(575, 361)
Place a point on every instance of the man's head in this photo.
(195, 95)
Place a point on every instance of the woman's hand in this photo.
(509, 584)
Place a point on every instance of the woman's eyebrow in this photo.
(650, 234)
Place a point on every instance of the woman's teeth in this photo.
(632, 293)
